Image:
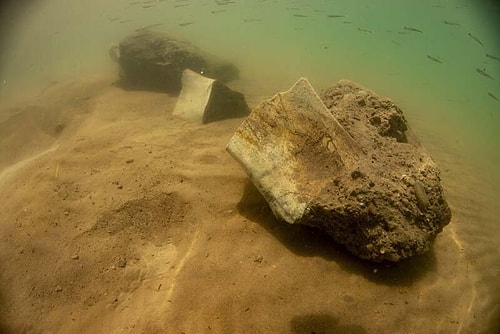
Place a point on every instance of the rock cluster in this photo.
(347, 164)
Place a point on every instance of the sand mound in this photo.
(31, 127)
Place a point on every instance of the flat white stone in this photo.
(289, 146)
(206, 100)
(194, 96)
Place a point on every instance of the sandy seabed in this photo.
(118, 217)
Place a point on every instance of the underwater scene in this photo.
(120, 214)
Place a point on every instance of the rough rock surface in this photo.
(208, 100)
(155, 61)
(364, 180)
(391, 206)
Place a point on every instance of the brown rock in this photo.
(396, 207)
(353, 170)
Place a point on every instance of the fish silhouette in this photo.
(483, 73)
(475, 38)
(365, 30)
(452, 23)
(434, 59)
(411, 29)
(493, 96)
(492, 57)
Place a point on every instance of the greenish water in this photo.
(432, 74)
(279, 41)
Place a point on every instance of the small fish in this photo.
(149, 6)
(163, 63)
(452, 23)
(183, 5)
(438, 6)
(475, 38)
(335, 16)
(365, 30)
(186, 23)
(148, 27)
(493, 57)
(397, 43)
(252, 20)
(411, 29)
(347, 22)
(218, 11)
(292, 8)
(299, 15)
(434, 59)
(125, 21)
(483, 73)
(493, 96)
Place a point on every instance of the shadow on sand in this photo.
(322, 323)
(307, 241)
(4, 329)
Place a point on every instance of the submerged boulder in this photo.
(207, 100)
(155, 61)
(347, 164)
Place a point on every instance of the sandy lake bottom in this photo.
(118, 217)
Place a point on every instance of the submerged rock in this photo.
(291, 146)
(208, 100)
(347, 164)
(155, 61)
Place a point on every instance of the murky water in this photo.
(439, 60)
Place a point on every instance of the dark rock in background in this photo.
(155, 61)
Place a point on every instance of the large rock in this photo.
(155, 61)
(290, 146)
(348, 169)
(207, 100)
